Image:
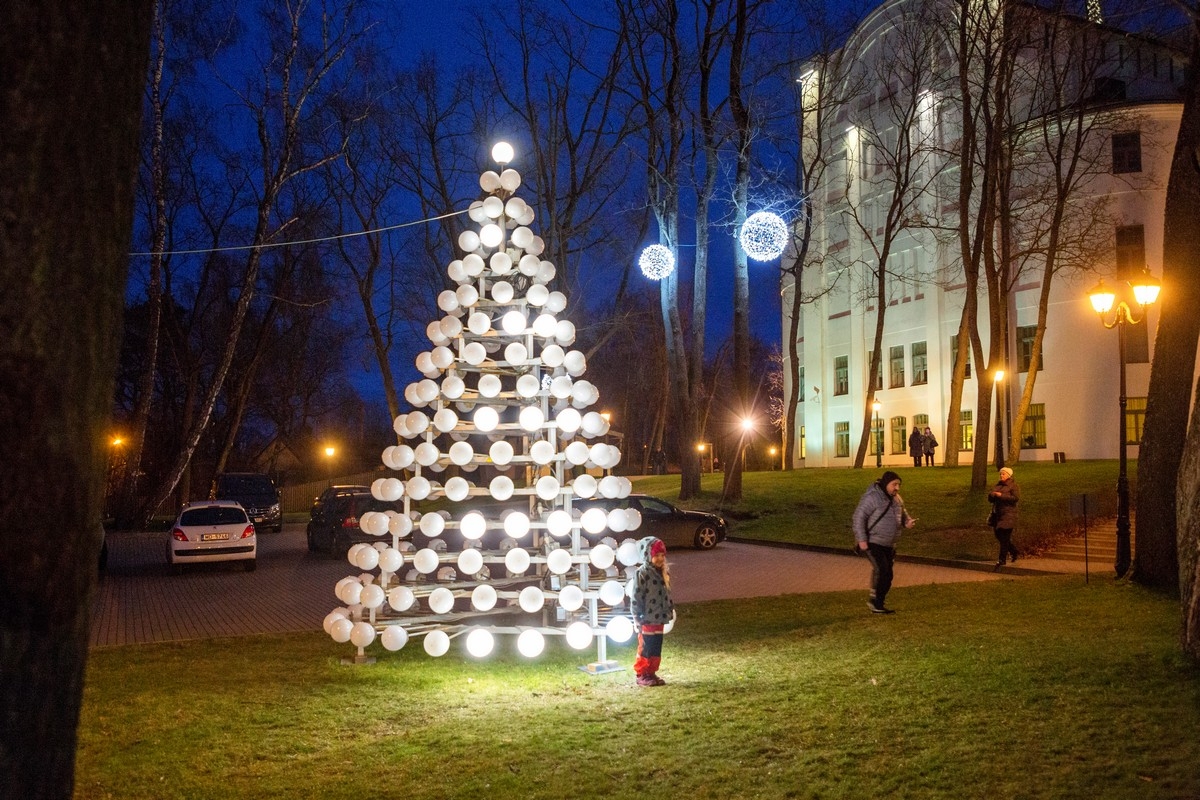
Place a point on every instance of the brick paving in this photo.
(138, 600)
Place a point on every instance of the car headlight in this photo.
(274, 509)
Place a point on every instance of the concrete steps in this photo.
(1100, 545)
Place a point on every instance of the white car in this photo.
(212, 530)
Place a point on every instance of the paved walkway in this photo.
(138, 600)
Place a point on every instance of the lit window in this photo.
(841, 439)
(1033, 432)
(896, 363)
(966, 426)
(899, 435)
(841, 375)
(920, 364)
(1135, 419)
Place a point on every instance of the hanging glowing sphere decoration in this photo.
(763, 236)
(656, 262)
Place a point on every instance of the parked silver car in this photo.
(212, 530)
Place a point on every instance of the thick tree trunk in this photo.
(72, 75)
(1156, 561)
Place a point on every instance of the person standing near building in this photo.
(651, 606)
(1004, 497)
(929, 444)
(878, 521)
(916, 446)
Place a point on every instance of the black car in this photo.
(677, 527)
(258, 495)
(333, 526)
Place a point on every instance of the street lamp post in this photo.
(747, 428)
(330, 452)
(997, 383)
(1145, 292)
(877, 435)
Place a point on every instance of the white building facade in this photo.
(1073, 411)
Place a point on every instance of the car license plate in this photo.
(259, 519)
(213, 537)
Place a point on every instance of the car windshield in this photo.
(246, 484)
(213, 515)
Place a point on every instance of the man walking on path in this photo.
(878, 522)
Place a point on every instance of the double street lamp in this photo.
(1145, 293)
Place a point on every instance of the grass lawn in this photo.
(814, 506)
(1031, 687)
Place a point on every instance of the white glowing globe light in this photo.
(501, 452)
(483, 597)
(393, 638)
(635, 518)
(432, 524)
(556, 302)
(542, 453)
(486, 419)
(609, 485)
(457, 488)
(425, 560)
(513, 322)
(516, 354)
(515, 207)
(559, 561)
(451, 327)
(424, 363)
(619, 629)
(527, 386)
(479, 323)
(476, 213)
(552, 356)
(627, 553)
(376, 525)
(544, 325)
(493, 207)
(448, 301)
(585, 485)
(372, 596)
(545, 273)
(427, 390)
(368, 558)
(480, 642)
(568, 420)
(434, 331)
(390, 490)
(473, 266)
(599, 456)
(561, 387)
(764, 236)
(575, 362)
(362, 634)
(348, 590)
(426, 453)
(528, 265)
(618, 521)
(579, 635)
(502, 292)
(460, 453)
(577, 453)
(523, 237)
(593, 424)
(564, 332)
(442, 358)
(501, 488)
(594, 520)
(473, 524)
(537, 295)
(417, 423)
(537, 246)
(437, 643)
(441, 600)
(491, 235)
(547, 487)
(389, 453)
(656, 262)
(401, 598)
(352, 557)
(559, 523)
(468, 241)
(453, 387)
(516, 524)
(474, 354)
(625, 486)
(531, 599)
(390, 560)
(570, 597)
(332, 617)
(516, 560)
(445, 420)
(340, 630)
(531, 418)
(470, 561)
(456, 272)
(400, 525)
(489, 181)
(527, 218)
(502, 153)
(489, 385)
(402, 457)
(531, 643)
(602, 556)
(612, 593)
(467, 295)
(501, 263)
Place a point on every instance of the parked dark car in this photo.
(333, 526)
(258, 495)
(677, 527)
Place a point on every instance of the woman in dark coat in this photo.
(1004, 497)
(916, 446)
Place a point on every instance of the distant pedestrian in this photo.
(660, 462)
(1004, 497)
(916, 446)
(929, 444)
(651, 606)
(878, 521)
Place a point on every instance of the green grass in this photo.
(1032, 688)
(814, 506)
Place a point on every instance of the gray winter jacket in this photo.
(650, 598)
(876, 504)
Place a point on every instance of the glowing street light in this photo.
(330, 452)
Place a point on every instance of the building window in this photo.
(800, 384)
(1109, 89)
(896, 367)
(1135, 419)
(803, 444)
(841, 375)
(920, 364)
(1131, 251)
(966, 427)
(921, 421)
(876, 446)
(954, 356)
(1033, 432)
(899, 435)
(1025, 336)
(841, 439)
(1127, 152)
(878, 382)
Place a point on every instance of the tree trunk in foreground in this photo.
(72, 74)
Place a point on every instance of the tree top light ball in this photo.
(656, 262)
(763, 236)
(502, 152)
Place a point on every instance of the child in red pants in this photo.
(650, 593)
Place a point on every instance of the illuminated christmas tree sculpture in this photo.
(498, 451)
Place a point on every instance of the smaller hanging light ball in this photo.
(656, 262)
(763, 236)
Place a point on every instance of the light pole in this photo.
(997, 380)
(747, 427)
(1145, 292)
(877, 435)
(772, 451)
(330, 452)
